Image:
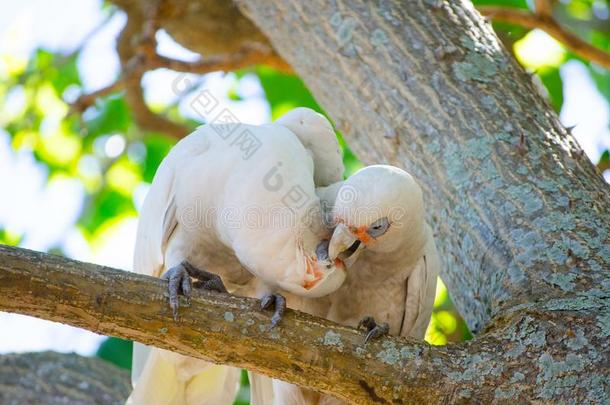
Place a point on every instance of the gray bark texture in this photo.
(57, 378)
(521, 216)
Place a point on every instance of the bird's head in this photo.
(378, 209)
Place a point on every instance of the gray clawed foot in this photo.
(179, 278)
(279, 302)
(205, 279)
(374, 329)
(179, 282)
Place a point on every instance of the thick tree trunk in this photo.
(521, 219)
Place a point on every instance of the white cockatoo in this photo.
(392, 261)
(234, 206)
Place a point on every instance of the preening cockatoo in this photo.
(234, 205)
(392, 264)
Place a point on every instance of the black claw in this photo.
(374, 330)
(275, 319)
(377, 331)
(216, 284)
(368, 322)
(279, 302)
(280, 306)
(267, 301)
(186, 286)
(179, 282)
(205, 279)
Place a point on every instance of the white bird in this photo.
(393, 264)
(234, 205)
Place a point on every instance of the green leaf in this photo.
(9, 238)
(580, 10)
(551, 79)
(60, 70)
(65, 74)
(601, 77)
(503, 3)
(604, 161)
(234, 95)
(509, 33)
(350, 161)
(157, 147)
(41, 60)
(60, 149)
(102, 207)
(109, 115)
(285, 92)
(243, 395)
(116, 351)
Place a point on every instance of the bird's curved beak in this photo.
(344, 245)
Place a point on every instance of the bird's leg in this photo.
(179, 283)
(179, 279)
(374, 329)
(205, 279)
(279, 302)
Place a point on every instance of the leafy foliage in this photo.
(116, 351)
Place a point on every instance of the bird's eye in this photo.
(379, 227)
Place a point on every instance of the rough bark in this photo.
(58, 378)
(536, 351)
(521, 219)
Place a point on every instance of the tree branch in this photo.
(87, 100)
(137, 51)
(226, 62)
(214, 327)
(543, 20)
(303, 349)
(543, 7)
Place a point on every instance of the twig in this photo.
(548, 24)
(133, 61)
(145, 118)
(214, 63)
(543, 7)
(141, 57)
(87, 100)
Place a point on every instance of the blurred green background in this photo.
(72, 182)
